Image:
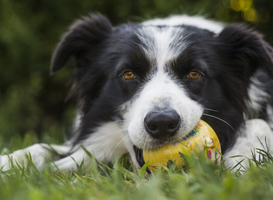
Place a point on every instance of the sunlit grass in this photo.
(200, 179)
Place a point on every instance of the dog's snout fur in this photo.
(162, 125)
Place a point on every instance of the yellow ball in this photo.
(201, 138)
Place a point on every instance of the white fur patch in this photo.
(162, 45)
(197, 21)
(255, 132)
(105, 144)
(257, 98)
(39, 154)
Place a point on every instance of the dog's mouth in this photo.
(139, 156)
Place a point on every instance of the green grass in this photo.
(200, 180)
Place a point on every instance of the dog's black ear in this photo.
(82, 40)
(247, 50)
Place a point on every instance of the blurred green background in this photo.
(32, 103)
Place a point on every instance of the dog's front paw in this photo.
(36, 153)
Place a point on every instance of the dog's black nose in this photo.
(162, 124)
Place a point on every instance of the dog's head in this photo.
(158, 78)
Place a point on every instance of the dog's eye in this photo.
(128, 75)
(194, 75)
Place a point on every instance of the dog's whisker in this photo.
(211, 110)
(118, 145)
(118, 131)
(219, 120)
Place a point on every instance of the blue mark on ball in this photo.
(193, 133)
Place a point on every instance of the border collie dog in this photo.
(140, 86)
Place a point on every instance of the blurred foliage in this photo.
(31, 101)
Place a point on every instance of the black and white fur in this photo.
(161, 104)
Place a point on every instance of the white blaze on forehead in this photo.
(196, 21)
(164, 39)
(162, 44)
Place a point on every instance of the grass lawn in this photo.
(200, 180)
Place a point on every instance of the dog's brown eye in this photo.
(128, 75)
(194, 75)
